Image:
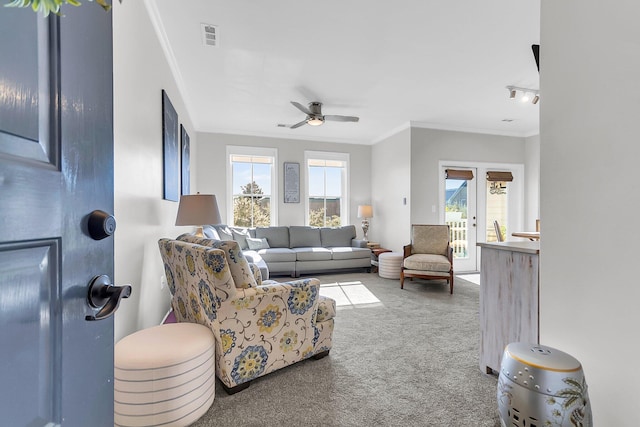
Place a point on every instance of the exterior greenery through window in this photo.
(252, 178)
(327, 180)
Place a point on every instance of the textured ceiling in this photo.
(431, 63)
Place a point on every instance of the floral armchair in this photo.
(259, 327)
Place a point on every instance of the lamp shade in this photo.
(365, 211)
(198, 209)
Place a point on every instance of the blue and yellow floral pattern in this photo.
(238, 264)
(288, 341)
(302, 299)
(249, 364)
(207, 300)
(228, 338)
(258, 328)
(269, 318)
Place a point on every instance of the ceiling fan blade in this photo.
(301, 107)
(341, 118)
(297, 125)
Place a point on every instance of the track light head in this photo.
(532, 95)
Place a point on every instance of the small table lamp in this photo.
(365, 212)
(198, 210)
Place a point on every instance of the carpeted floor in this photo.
(410, 359)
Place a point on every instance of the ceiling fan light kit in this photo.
(315, 116)
(532, 95)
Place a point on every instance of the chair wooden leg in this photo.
(451, 284)
(401, 279)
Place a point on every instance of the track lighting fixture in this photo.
(532, 95)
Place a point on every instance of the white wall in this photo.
(429, 147)
(140, 74)
(588, 196)
(391, 184)
(211, 171)
(532, 182)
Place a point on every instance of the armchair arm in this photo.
(358, 243)
(406, 251)
(279, 288)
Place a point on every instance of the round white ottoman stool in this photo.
(389, 265)
(164, 375)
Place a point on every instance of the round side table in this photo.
(390, 264)
(164, 375)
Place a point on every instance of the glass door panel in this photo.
(497, 203)
(460, 215)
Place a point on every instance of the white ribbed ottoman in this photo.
(389, 265)
(164, 375)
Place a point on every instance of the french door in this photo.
(460, 214)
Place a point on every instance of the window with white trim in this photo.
(252, 176)
(327, 184)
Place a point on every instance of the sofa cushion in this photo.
(255, 243)
(312, 254)
(277, 237)
(337, 236)
(304, 237)
(210, 232)
(240, 235)
(277, 254)
(350, 253)
(430, 239)
(224, 232)
(427, 262)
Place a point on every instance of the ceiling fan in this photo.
(315, 116)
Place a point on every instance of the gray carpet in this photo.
(409, 360)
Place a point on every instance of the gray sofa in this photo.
(297, 250)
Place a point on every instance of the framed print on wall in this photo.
(185, 161)
(291, 182)
(170, 150)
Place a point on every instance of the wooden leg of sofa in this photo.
(236, 389)
(321, 355)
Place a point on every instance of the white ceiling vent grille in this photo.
(210, 35)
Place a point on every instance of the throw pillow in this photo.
(256, 244)
(240, 236)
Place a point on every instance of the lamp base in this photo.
(365, 229)
(199, 232)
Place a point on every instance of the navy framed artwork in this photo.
(170, 150)
(185, 160)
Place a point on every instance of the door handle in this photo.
(105, 296)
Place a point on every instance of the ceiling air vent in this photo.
(210, 35)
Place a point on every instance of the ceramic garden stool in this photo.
(389, 265)
(540, 386)
(164, 375)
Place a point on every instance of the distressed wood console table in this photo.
(509, 298)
